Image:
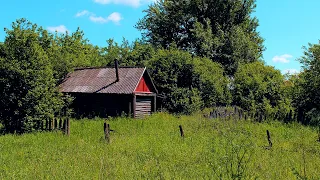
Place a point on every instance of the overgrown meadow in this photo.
(152, 148)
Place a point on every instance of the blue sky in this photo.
(286, 25)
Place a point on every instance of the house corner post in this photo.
(155, 103)
(134, 105)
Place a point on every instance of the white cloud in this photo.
(83, 13)
(290, 71)
(114, 17)
(99, 19)
(59, 29)
(133, 3)
(282, 59)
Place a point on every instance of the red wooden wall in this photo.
(143, 86)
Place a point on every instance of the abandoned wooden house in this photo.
(111, 91)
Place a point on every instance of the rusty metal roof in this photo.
(102, 80)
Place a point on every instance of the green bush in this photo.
(27, 86)
(189, 83)
(260, 89)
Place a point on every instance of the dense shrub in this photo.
(260, 89)
(27, 86)
(188, 83)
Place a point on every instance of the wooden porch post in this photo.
(130, 109)
(134, 105)
(155, 103)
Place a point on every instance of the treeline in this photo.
(201, 54)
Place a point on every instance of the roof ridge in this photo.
(107, 67)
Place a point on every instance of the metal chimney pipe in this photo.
(116, 65)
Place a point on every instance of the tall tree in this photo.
(307, 84)
(27, 87)
(222, 30)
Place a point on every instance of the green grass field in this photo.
(153, 149)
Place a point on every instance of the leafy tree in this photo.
(188, 83)
(2, 53)
(140, 54)
(67, 52)
(223, 31)
(306, 86)
(128, 54)
(27, 87)
(115, 51)
(260, 88)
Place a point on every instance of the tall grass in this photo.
(153, 149)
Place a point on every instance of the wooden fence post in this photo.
(64, 126)
(47, 124)
(181, 131)
(60, 124)
(41, 125)
(106, 128)
(55, 124)
(50, 124)
(269, 139)
(68, 126)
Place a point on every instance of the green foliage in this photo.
(305, 92)
(27, 86)
(188, 83)
(134, 54)
(67, 52)
(184, 100)
(153, 149)
(223, 31)
(115, 51)
(260, 89)
(32, 64)
(212, 83)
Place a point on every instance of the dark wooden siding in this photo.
(101, 105)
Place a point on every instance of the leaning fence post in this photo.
(269, 139)
(106, 132)
(181, 131)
